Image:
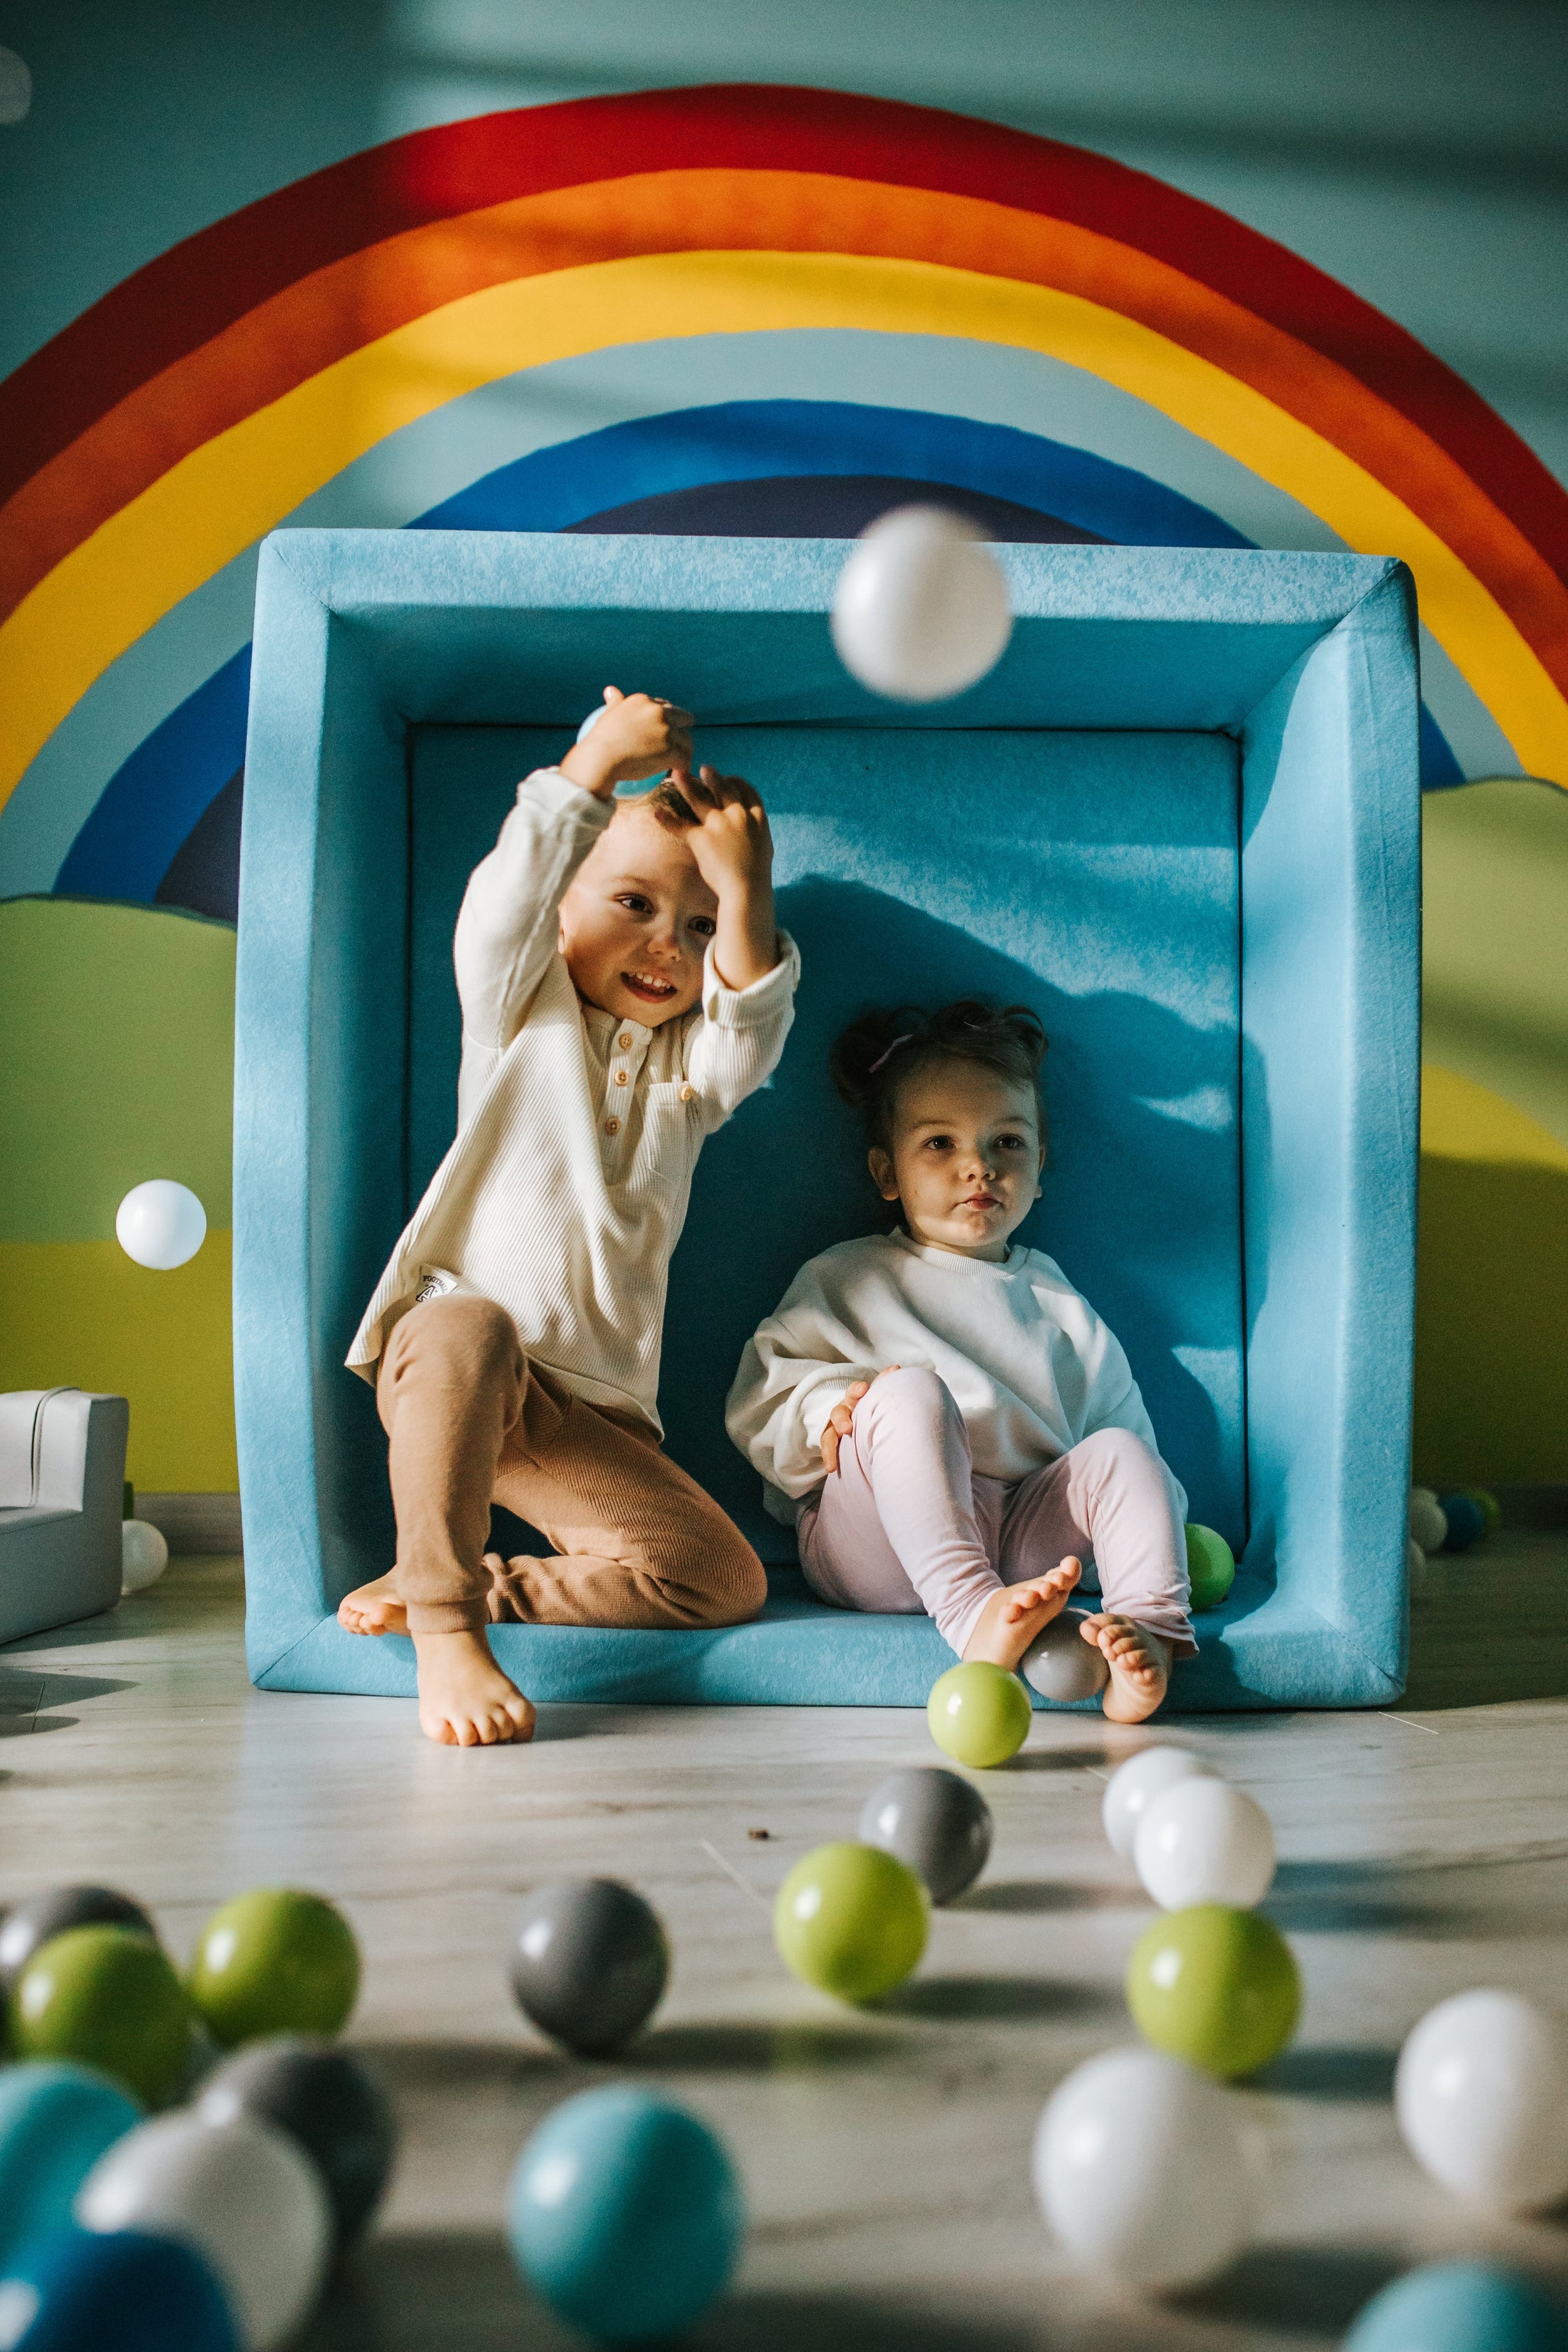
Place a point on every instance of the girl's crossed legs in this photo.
(903, 1525)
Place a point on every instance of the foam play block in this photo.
(1179, 819)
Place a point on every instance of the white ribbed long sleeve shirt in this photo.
(564, 1192)
(1030, 1365)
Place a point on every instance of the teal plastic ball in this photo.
(55, 2123)
(138, 2294)
(1467, 1521)
(1459, 2308)
(625, 2215)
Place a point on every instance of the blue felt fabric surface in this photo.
(1181, 818)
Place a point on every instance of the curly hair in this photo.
(873, 1057)
(666, 801)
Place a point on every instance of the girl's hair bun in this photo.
(872, 1058)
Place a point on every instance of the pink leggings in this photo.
(904, 1523)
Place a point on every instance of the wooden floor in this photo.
(885, 2154)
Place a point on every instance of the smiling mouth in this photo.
(652, 990)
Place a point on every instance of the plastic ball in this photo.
(1211, 1566)
(55, 2123)
(1134, 1785)
(1458, 2308)
(1201, 1841)
(1428, 1527)
(1062, 1666)
(275, 1961)
(852, 1920)
(920, 611)
(143, 1555)
(328, 2103)
(1481, 2095)
(625, 2214)
(978, 1714)
(1141, 2170)
(1216, 1986)
(75, 2290)
(241, 2194)
(933, 1821)
(589, 1962)
(161, 1223)
(1488, 1505)
(1467, 1521)
(1415, 1567)
(105, 1997)
(39, 1917)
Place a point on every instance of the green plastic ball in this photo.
(107, 1998)
(851, 1920)
(1215, 1986)
(1211, 1566)
(275, 1961)
(978, 1714)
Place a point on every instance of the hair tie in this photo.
(907, 1039)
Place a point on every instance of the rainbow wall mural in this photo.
(746, 308)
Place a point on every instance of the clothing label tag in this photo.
(437, 1284)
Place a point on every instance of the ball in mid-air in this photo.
(978, 1714)
(1201, 1841)
(1216, 1986)
(589, 1962)
(625, 2214)
(920, 611)
(936, 1822)
(276, 1960)
(1481, 2095)
(851, 1920)
(160, 1224)
(1141, 2170)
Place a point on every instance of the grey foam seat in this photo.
(62, 1484)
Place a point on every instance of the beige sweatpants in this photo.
(468, 1420)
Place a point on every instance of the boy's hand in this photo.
(732, 849)
(841, 1420)
(639, 735)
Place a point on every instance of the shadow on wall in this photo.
(1140, 1207)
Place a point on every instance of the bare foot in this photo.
(374, 1608)
(1013, 1617)
(465, 1700)
(1140, 1664)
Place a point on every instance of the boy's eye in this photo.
(635, 903)
(704, 926)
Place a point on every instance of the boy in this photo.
(624, 988)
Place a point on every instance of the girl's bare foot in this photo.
(465, 1700)
(1140, 1664)
(374, 1608)
(1012, 1618)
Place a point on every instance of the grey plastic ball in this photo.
(589, 1962)
(1061, 1665)
(934, 1820)
(329, 2102)
(38, 1919)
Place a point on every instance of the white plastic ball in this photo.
(15, 88)
(143, 1555)
(1481, 2095)
(1133, 1785)
(1416, 1567)
(1140, 2170)
(161, 1223)
(1428, 1521)
(921, 610)
(242, 2194)
(1205, 1842)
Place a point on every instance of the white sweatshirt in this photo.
(1030, 1365)
(567, 1188)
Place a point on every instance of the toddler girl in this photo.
(951, 1425)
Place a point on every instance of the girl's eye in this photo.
(939, 1143)
(704, 926)
(1009, 1143)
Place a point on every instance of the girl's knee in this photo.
(912, 1388)
(1114, 1455)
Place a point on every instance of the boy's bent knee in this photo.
(739, 1584)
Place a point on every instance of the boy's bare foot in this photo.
(374, 1608)
(465, 1700)
(1012, 1618)
(1140, 1664)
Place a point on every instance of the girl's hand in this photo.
(639, 735)
(841, 1420)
